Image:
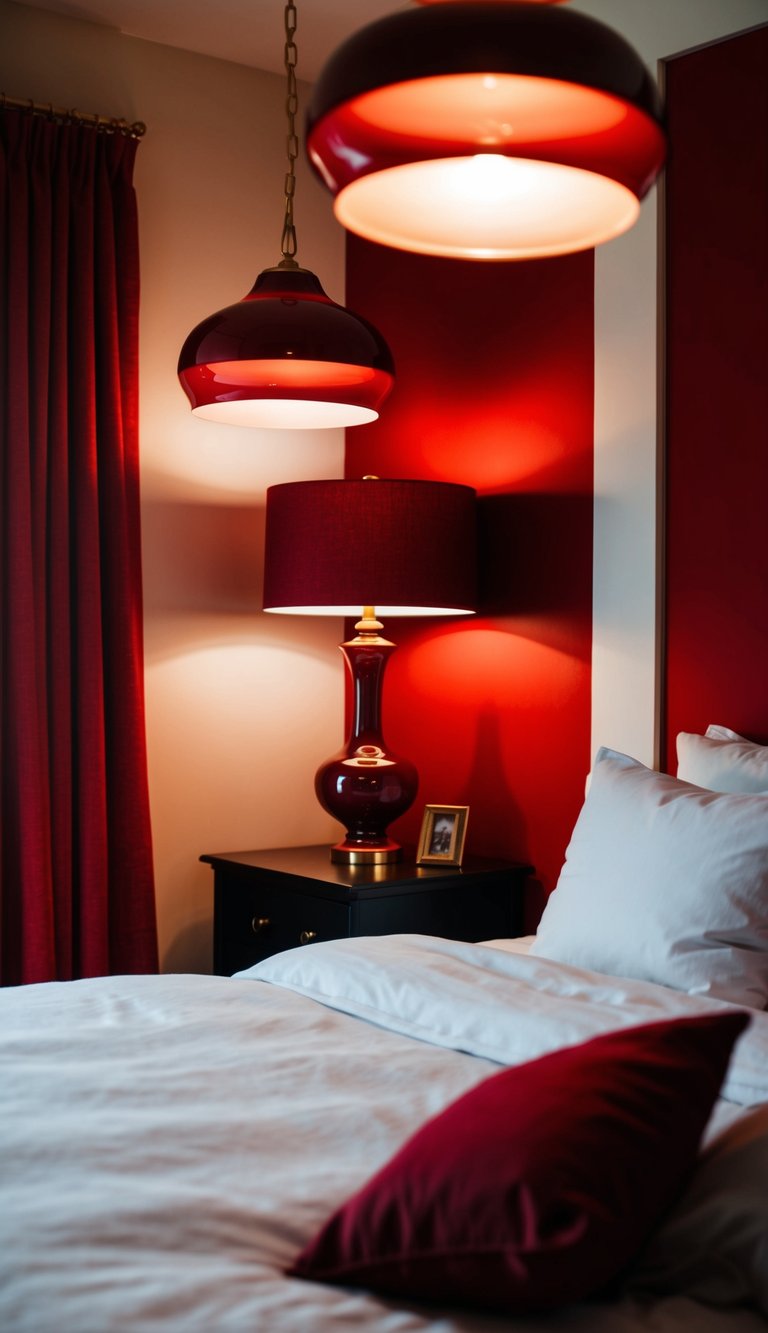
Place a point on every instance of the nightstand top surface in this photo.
(315, 863)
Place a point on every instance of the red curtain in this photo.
(77, 891)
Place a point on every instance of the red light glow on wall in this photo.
(494, 389)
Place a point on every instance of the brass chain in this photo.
(292, 142)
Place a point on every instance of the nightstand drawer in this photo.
(283, 897)
(483, 911)
(259, 921)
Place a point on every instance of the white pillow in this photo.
(722, 761)
(713, 1245)
(664, 882)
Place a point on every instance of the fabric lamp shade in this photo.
(368, 547)
(405, 547)
(488, 130)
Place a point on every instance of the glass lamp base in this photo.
(365, 786)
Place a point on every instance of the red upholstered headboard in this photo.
(715, 617)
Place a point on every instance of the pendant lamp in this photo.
(495, 129)
(286, 355)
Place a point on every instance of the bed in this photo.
(206, 1153)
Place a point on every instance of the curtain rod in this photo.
(71, 116)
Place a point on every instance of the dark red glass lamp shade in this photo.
(405, 548)
(286, 356)
(486, 130)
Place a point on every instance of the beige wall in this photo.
(241, 707)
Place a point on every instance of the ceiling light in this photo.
(286, 355)
(486, 129)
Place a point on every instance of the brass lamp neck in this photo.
(368, 627)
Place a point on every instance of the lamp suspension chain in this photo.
(288, 244)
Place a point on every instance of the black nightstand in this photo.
(266, 901)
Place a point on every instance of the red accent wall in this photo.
(494, 389)
(716, 232)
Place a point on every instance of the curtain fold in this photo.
(77, 890)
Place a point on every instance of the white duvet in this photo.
(170, 1143)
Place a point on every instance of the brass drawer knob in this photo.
(259, 923)
(307, 936)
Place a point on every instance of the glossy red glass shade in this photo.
(336, 547)
(486, 131)
(286, 356)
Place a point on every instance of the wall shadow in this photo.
(521, 540)
(202, 558)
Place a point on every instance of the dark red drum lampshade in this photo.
(406, 547)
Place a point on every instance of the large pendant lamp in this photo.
(286, 355)
(486, 130)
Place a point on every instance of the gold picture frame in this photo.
(441, 840)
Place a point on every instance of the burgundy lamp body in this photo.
(365, 786)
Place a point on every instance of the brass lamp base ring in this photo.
(365, 856)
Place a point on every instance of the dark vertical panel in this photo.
(716, 390)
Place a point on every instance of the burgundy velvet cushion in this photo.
(535, 1188)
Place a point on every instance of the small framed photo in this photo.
(441, 841)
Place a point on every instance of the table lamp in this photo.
(392, 548)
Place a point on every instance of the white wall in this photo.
(624, 690)
(241, 707)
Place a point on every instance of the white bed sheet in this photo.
(170, 1143)
(517, 944)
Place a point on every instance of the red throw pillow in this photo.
(538, 1186)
